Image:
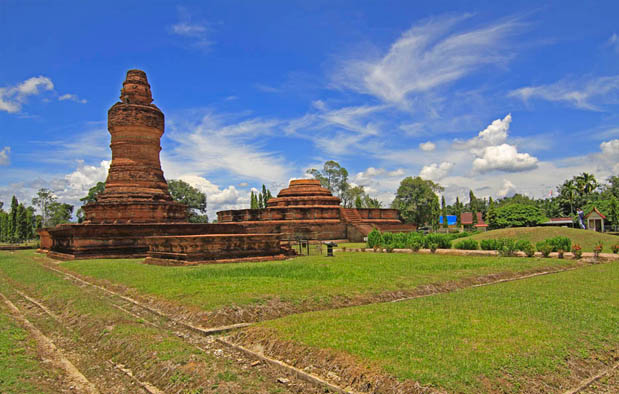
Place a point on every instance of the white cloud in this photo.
(427, 146)
(591, 93)
(217, 199)
(494, 134)
(613, 42)
(195, 33)
(436, 171)
(427, 56)
(13, 97)
(503, 157)
(76, 184)
(5, 158)
(610, 154)
(215, 143)
(508, 189)
(72, 97)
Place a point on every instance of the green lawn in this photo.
(585, 238)
(116, 336)
(20, 368)
(315, 279)
(515, 330)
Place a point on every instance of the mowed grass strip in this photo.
(515, 331)
(21, 370)
(314, 278)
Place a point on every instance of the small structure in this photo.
(135, 216)
(452, 221)
(306, 210)
(559, 222)
(595, 220)
(466, 218)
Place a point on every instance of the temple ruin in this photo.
(135, 216)
(306, 210)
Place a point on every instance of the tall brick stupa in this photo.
(135, 189)
(135, 216)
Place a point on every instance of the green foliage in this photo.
(560, 243)
(194, 199)
(59, 213)
(43, 200)
(528, 249)
(508, 248)
(93, 193)
(333, 176)
(518, 215)
(416, 200)
(444, 212)
(467, 244)
(442, 241)
(375, 238)
(544, 247)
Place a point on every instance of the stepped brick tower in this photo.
(135, 189)
(306, 210)
(135, 216)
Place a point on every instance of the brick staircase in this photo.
(351, 215)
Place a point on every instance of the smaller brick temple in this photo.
(135, 216)
(306, 210)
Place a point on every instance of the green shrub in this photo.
(528, 249)
(488, 244)
(523, 244)
(560, 242)
(415, 244)
(387, 238)
(375, 239)
(508, 247)
(544, 247)
(442, 241)
(467, 244)
(433, 246)
(615, 248)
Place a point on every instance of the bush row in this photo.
(412, 240)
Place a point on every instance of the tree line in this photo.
(21, 222)
(417, 200)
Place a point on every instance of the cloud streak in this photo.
(427, 56)
(13, 97)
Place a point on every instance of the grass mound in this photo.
(585, 238)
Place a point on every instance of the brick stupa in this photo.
(135, 215)
(306, 210)
(135, 189)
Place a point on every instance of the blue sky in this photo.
(500, 98)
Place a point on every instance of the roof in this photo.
(467, 218)
(451, 220)
(596, 211)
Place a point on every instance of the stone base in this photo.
(209, 248)
(135, 212)
(90, 241)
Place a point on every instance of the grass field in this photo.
(502, 335)
(314, 279)
(99, 332)
(20, 368)
(585, 238)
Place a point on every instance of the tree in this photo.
(613, 212)
(473, 205)
(193, 198)
(491, 217)
(518, 215)
(93, 193)
(612, 187)
(253, 201)
(568, 193)
(415, 200)
(43, 200)
(458, 212)
(435, 212)
(333, 176)
(59, 213)
(12, 230)
(444, 212)
(586, 183)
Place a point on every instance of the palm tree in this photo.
(569, 191)
(586, 183)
